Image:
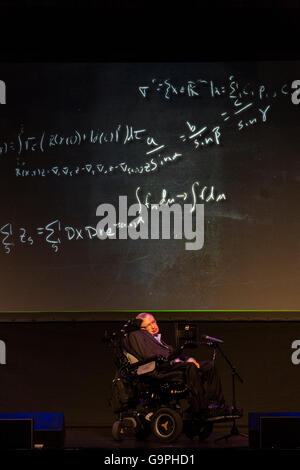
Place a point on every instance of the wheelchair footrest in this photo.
(129, 423)
(223, 419)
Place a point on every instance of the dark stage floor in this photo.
(82, 438)
(85, 446)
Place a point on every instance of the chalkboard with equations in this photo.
(217, 140)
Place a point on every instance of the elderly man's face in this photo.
(149, 324)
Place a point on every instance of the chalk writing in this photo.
(207, 87)
(244, 108)
(55, 233)
(198, 137)
(196, 194)
(45, 141)
(101, 169)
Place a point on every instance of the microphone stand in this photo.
(234, 430)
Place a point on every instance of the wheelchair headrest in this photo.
(120, 341)
(128, 349)
(131, 325)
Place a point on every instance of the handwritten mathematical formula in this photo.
(96, 169)
(55, 232)
(245, 107)
(201, 87)
(196, 136)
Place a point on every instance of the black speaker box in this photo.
(274, 430)
(48, 429)
(16, 434)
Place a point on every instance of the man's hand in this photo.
(191, 359)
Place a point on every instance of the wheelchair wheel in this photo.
(118, 431)
(166, 425)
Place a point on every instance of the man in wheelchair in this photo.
(159, 389)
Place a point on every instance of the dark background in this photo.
(59, 366)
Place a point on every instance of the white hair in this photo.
(142, 316)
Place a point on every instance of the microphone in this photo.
(210, 339)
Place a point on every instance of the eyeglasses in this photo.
(149, 325)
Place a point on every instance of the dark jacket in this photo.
(144, 345)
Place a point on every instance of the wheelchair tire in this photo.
(118, 431)
(166, 425)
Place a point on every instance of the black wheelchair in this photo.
(148, 404)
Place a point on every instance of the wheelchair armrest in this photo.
(143, 367)
(136, 365)
(157, 359)
(176, 353)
